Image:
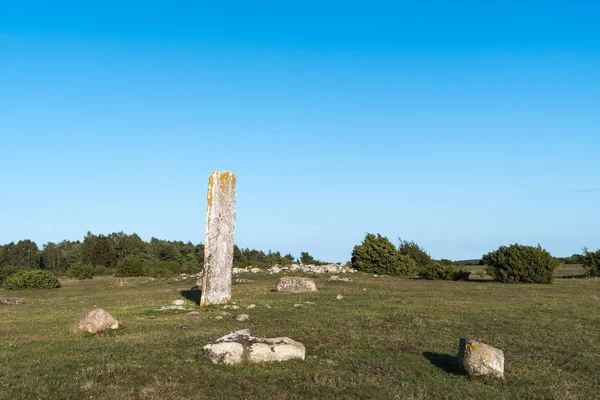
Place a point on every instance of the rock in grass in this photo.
(478, 359)
(170, 308)
(10, 300)
(242, 317)
(296, 284)
(178, 302)
(239, 346)
(97, 321)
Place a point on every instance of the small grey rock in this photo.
(242, 317)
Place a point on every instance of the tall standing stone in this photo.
(218, 243)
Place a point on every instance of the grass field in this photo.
(388, 338)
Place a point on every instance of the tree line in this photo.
(106, 252)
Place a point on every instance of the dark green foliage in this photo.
(24, 254)
(307, 259)
(445, 261)
(31, 279)
(82, 271)
(435, 270)
(98, 250)
(132, 266)
(163, 269)
(519, 263)
(591, 262)
(407, 266)
(6, 271)
(574, 259)
(461, 275)
(249, 257)
(415, 251)
(376, 254)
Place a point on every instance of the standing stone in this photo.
(218, 243)
(477, 358)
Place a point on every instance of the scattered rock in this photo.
(339, 297)
(364, 289)
(97, 321)
(241, 280)
(310, 302)
(151, 316)
(167, 308)
(340, 278)
(233, 307)
(296, 284)
(477, 358)
(178, 302)
(239, 346)
(251, 306)
(218, 317)
(193, 313)
(307, 268)
(298, 305)
(270, 305)
(10, 300)
(242, 317)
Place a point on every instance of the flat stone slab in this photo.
(239, 346)
(478, 359)
(296, 284)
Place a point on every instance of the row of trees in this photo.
(514, 263)
(107, 254)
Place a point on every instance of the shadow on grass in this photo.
(194, 294)
(571, 276)
(443, 361)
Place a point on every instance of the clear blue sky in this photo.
(460, 125)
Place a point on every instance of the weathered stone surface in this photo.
(10, 300)
(178, 302)
(97, 321)
(242, 317)
(296, 284)
(239, 346)
(477, 358)
(218, 242)
(340, 278)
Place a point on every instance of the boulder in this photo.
(240, 346)
(296, 284)
(477, 359)
(97, 321)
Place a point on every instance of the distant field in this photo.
(394, 340)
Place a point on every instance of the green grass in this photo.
(394, 340)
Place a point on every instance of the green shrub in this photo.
(437, 270)
(591, 262)
(31, 279)
(415, 252)
(191, 267)
(101, 270)
(132, 266)
(518, 263)
(461, 275)
(163, 269)
(81, 271)
(376, 254)
(6, 271)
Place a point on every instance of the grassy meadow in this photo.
(388, 338)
